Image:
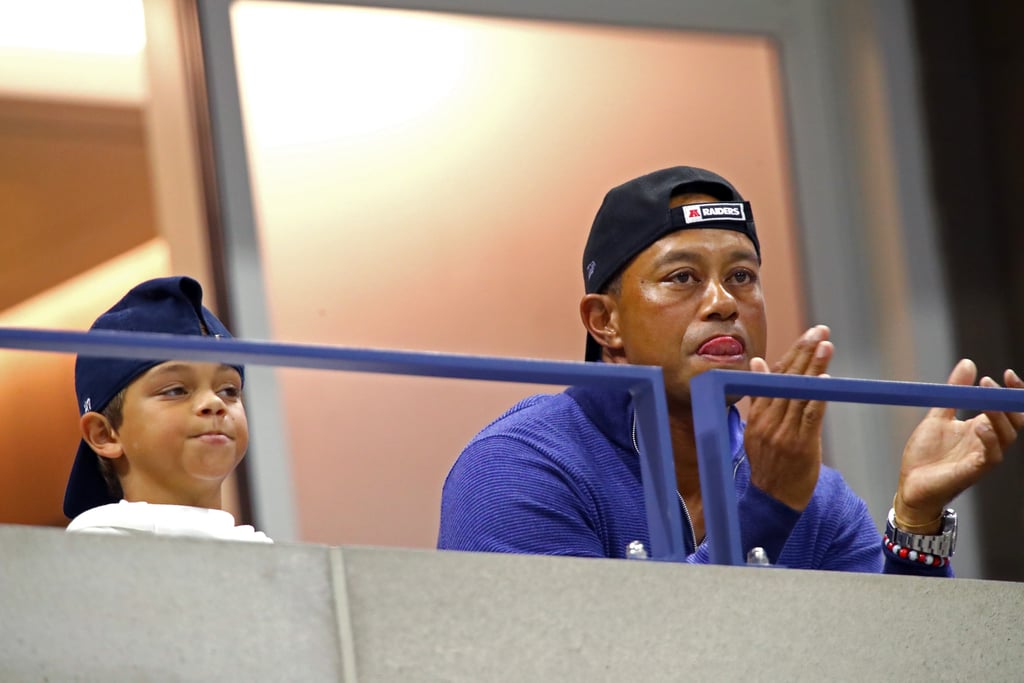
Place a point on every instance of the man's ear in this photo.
(100, 435)
(600, 315)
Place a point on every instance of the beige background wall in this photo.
(426, 181)
(99, 190)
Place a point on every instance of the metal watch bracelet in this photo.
(942, 544)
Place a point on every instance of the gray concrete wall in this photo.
(77, 608)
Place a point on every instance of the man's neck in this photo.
(684, 450)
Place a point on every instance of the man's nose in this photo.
(718, 303)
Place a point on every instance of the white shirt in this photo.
(134, 518)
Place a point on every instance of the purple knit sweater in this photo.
(558, 475)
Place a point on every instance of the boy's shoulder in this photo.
(127, 518)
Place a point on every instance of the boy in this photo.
(158, 436)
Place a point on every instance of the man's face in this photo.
(691, 302)
(183, 430)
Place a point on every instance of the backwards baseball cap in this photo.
(636, 214)
(170, 305)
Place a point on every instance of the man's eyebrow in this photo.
(692, 256)
(743, 255)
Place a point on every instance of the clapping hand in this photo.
(783, 436)
(944, 456)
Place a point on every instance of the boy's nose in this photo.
(211, 404)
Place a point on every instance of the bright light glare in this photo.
(107, 27)
(314, 73)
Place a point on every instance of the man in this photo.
(671, 271)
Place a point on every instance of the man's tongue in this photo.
(721, 346)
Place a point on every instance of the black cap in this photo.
(170, 305)
(636, 214)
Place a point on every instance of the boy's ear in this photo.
(600, 315)
(100, 435)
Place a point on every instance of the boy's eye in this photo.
(173, 391)
(230, 392)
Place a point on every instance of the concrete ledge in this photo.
(476, 617)
(87, 608)
(97, 608)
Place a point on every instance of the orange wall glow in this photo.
(435, 193)
(38, 415)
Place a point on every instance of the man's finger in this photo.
(802, 412)
(820, 359)
(963, 374)
(992, 452)
(787, 357)
(1002, 423)
(760, 404)
(803, 351)
(758, 364)
(1013, 381)
(798, 354)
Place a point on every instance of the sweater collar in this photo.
(611, 411)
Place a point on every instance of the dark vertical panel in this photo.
(972, 66)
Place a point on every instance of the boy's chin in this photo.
(213, 469)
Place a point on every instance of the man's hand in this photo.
(945, 456)
(783, 436)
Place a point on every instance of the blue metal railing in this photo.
(644, 383)
(708, 392)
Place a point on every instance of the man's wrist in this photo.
(929, 523)
(932, 550)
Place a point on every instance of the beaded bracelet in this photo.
(913, 555)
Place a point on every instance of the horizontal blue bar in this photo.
(708, 393)
(845, 390)
(239, 351)
(643, 382)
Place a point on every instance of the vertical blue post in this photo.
(658, 472)
(711, 429)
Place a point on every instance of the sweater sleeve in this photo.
(862, 549)
(857, 546)
(765, 522)
(503, 496)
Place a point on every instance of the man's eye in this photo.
(744, 277)
(684, 278)
(173, 391)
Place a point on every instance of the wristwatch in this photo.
(942, 544)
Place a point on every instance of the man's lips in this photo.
(721, 346)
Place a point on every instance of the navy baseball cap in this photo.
(636, 214)
(169, 305)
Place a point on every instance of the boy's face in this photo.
(183, 431)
